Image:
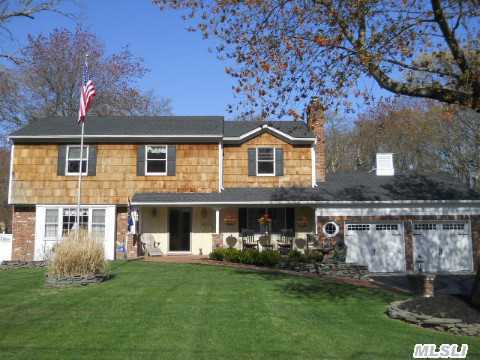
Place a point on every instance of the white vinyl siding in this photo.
(55, 221)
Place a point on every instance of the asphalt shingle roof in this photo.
(126, 125)
(155, 125)
(340, 187)
(293, 128)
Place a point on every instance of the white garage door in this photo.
(380, 246)
(445, 247)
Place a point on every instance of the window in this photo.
(358, 227)
(51, 223)
(265, 161)
(156, 160)
(73, 160)
(330, 229)
(98, 223)
(69, 219)
(386, 227)
(453, 226)
(282, 218)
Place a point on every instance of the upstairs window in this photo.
(266, 161)
(156, 160)
(73, 160)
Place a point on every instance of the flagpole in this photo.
(79, 187)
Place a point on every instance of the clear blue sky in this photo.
(182, 68)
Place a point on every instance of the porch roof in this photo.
(232, 196)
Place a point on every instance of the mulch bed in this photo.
(443, 306)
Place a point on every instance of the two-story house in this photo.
(198, 180)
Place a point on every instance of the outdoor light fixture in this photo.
(420, 263)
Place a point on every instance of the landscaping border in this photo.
(454, 326)
(76, 280)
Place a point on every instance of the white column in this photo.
(220, 167)
(217, 221)
(10, 179)
(316, 221)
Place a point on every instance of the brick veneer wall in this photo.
(121, 232)
(408, 230)
(23, 230)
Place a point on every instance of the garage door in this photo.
(380, 246)
(445, 247)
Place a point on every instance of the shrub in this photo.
(249, 256)
(232, 255)
(314, 256)
(217, 254)
(83, 256)
(268, 258)
(295, 256)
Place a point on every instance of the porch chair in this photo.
(248, 239)
(150, 246)
(285, 243)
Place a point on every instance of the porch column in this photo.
(217, 221)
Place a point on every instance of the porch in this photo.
(197, 229)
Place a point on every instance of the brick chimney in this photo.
(316, 123)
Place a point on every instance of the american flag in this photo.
(87, 93)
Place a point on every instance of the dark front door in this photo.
(180, 226)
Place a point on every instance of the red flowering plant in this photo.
(265, 220)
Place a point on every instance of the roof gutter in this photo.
(309, 202)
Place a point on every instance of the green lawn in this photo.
(173, 311)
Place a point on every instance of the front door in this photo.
(180, 227)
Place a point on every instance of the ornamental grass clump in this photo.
(84, 256)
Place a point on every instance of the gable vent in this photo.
(385, 164)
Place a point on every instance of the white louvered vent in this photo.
(385, 164)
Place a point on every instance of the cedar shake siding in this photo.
(297, 164)
(36, 179)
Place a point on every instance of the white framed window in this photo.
(453, 226)
(72, 166)
(51, 223)
(386, 227)
(69, 217)
(98, 223)
(358, 227)
(331, 229)
(156, 160)
(265, 161)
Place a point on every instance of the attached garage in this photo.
(443, 246)
(380, 246)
